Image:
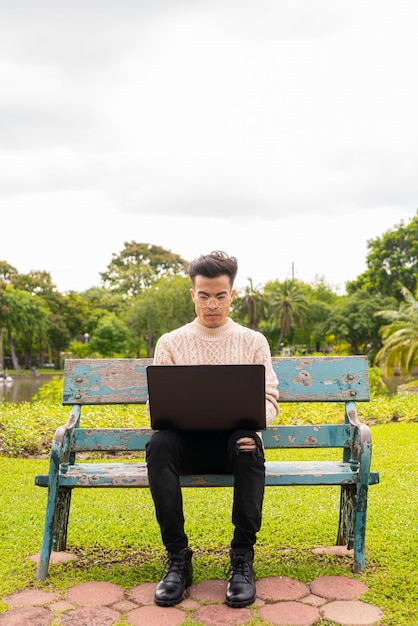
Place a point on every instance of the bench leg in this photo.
(360, 528)
(348, 499)
(55, 528)
(352, 524)
(46, 548)
(62, 512)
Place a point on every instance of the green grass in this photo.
(116, 537)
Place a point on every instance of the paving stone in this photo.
(143, 594)
(352, 613)
(313, 600)
(56, 557)
(221, 615)
(90, 616)
(156, 616)
(124, 606)
(95, 593)
(289, 614)
(61, 605)
(276, 588)
(189, 603)
(209, 591)
(30, 597)
(37, 616)
(334, 550)
(334, 598)
(338, 587)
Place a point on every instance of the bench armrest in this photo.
(60, 450)
(361, 442)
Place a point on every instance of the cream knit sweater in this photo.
(195, 344)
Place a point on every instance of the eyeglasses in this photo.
(221, 301)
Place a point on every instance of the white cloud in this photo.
(269, 126)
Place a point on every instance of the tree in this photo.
(320, 302)
(110, 336)
(354, 321)
(25, 319)
(250, 306)
(400, 336)
(165, 306)
(39, 283)
(7, 273)
(139, 265)
(35, 282)
(287, 304)
(392, 261)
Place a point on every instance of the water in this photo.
(23, 388)
(394, 382)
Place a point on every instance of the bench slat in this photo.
(322, 379)
(131, 439)
(278, 473)
(301, 379)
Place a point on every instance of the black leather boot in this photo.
(240, 590)
(179, 575)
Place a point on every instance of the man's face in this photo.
(212, 298)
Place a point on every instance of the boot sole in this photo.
(177, 600)
(169, 603)
(239, 605)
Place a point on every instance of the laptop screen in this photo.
(207, 397)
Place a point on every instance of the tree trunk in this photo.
(13, 356)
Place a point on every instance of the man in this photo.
(212, 338)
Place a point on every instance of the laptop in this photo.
(207, 397)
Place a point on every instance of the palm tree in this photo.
(250, 305)
(288, 306)
(400, 336)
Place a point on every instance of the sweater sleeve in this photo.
(272, 393)
(162, 353)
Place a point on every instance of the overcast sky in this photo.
(284, 132)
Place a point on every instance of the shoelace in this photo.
(241, 567)
(174, 564)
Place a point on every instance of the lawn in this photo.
(116, 538)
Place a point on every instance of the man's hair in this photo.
(215, 264)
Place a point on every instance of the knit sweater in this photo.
(195, 344)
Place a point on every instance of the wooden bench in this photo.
(305, 379)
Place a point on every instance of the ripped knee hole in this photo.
(246, 444)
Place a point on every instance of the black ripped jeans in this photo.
(170, 454)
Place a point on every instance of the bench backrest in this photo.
(301, 379)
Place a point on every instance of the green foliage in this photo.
(249, 306)
(50, 391)
(354, 320)
(400, 336)
(287, 306)
(110, 337)
(377, 384)
(392, 260)
(156, 311)
(139, 265)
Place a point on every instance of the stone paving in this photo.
(280, 601)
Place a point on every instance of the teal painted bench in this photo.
(341, 380)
